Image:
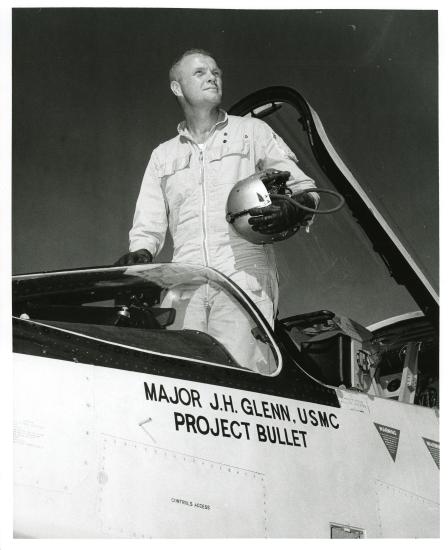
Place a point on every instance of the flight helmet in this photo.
(252, 192)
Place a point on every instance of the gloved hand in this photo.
(141, 256)
(274, 180)
(281, 215)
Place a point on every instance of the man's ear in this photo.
(176, 88)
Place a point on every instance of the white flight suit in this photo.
(185, 188)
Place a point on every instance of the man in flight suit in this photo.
(185, 189)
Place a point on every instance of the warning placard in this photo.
(390, 436)
(434, 448)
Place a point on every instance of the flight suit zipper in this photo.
(204, 208)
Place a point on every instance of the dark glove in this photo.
(274, 180)
(141, 256)
(281, 215)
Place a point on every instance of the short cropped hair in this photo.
(173, 74)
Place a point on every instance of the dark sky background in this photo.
(91, 100)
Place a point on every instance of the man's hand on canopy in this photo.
(141, 256)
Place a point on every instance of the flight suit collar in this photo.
(183, 130)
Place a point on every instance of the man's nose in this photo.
(211, 77)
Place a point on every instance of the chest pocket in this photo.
(174, 165)
(224, 162)
(176, 178)
(239, 148)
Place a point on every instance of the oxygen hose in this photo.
(313, 210)
(232, 217)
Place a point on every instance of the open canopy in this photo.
(354, 261)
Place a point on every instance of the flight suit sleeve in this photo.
(272, 152)
(151, 214)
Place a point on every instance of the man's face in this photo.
(200, 80)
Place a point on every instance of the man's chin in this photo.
(213, 99)
(212, 92)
